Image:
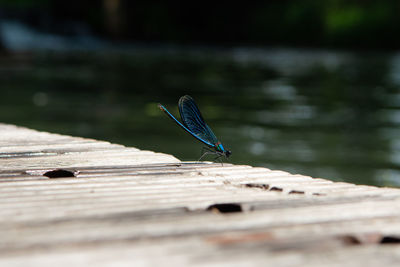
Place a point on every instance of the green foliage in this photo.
(348, 23)
(344, 23)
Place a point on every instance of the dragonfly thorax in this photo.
(219, 148)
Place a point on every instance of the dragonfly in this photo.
(194, 124)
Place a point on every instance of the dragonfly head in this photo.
(227, 153)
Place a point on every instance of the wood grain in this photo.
(128, 207)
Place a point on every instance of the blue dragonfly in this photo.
(194, 124)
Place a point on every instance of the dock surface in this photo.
(70, 201)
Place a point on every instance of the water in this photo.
(326, 114)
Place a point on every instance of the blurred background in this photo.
(310, 87)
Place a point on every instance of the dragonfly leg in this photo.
(206, 153)
(206, 149)
(219, 158)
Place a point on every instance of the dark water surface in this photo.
(326, 114)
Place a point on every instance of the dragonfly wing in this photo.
(183, 126)
(193, 120)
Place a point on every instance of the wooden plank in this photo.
(124, 206)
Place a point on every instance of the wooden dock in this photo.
(69, 201)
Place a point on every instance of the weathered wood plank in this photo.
(124, 206)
